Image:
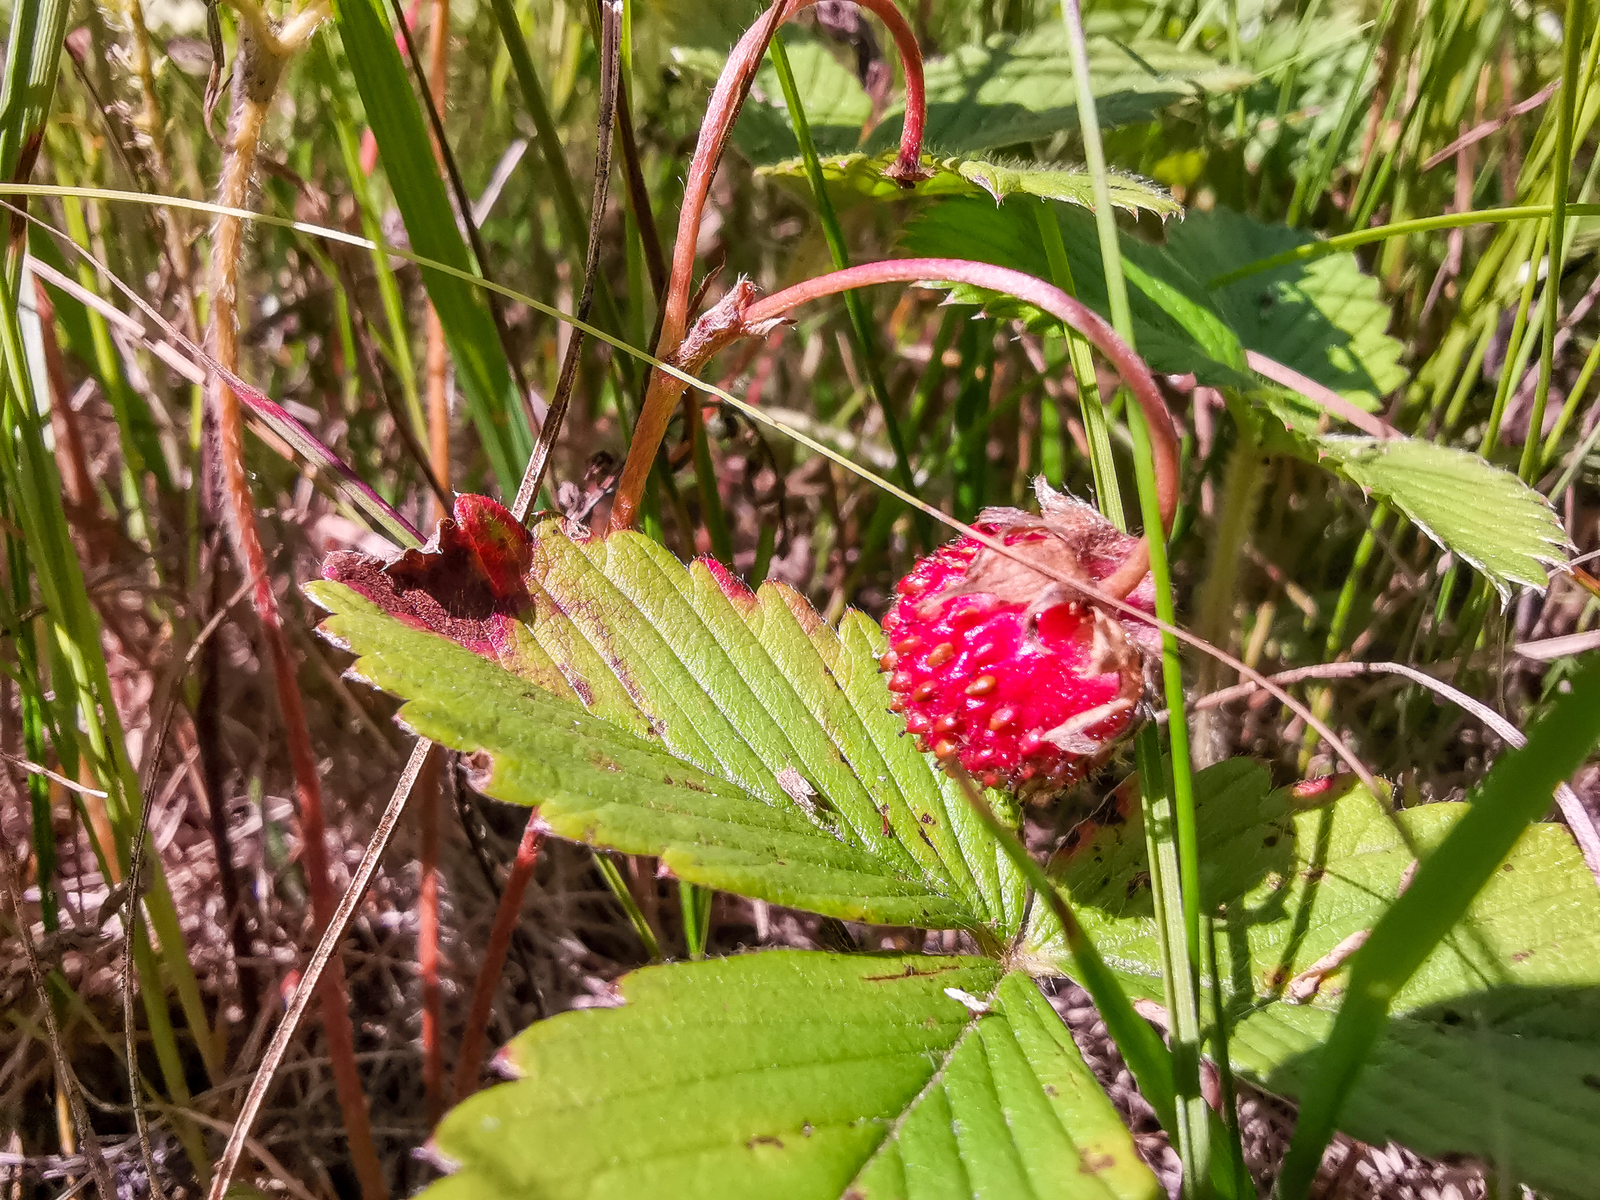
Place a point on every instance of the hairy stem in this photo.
(470, 1061)
(257, 69)
(723, 110)
(429, 781)
(741, 314)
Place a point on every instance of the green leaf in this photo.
(1492, 1048)
(731, 733)
(799, 1074)
(1514, 795)
(1486, 515)
(1328, 324)
(837, 106)
(1010, 91)
(1020, 89)
(860, 176)
(498, 413)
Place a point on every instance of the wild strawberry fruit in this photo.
(1017, 676)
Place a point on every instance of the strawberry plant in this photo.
(1092, 446)
(649, 708)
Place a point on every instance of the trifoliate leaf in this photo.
(1494, 1046)
(802, 1075)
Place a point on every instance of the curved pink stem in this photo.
(742, 315)
(1048, 298)
(727, 98)
(723, 110)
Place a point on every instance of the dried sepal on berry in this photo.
(1020, 678)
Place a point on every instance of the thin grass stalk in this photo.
(1308, 251)
(258, 66)
(1572, 47)
(861, 334)
(1515, 793)
(1193, 1127)
(1357, 238)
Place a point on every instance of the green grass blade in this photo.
(1193, 1127)
(1081, 358)
(396, 120)
(1572, 46)
(32, 51)
(1515, 794)
(860, 327)
(394, 311)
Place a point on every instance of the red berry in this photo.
(1018, 676)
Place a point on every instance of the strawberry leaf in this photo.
(731, 733)
(1486, 515)
(1021, 89)
(798, 1074)
(858, 176)
(1326, 319)
(1494, 1045)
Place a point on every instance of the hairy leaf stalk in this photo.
(723, 110)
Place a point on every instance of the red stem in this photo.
(1066, 309)
(742, 315)
(470, 1062)
(428, 939)
(721, 113)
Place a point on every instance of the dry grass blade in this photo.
(33, 768)
(100, 1169)
(327, 947)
